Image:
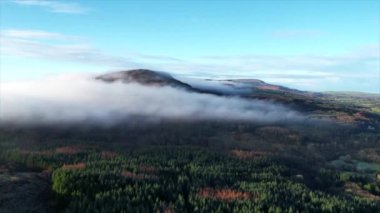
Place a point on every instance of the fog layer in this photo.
(68, 100)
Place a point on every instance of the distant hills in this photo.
(220, 87)
(339, 106)
(244, 88)
(144, 77)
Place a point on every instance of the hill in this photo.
(328, 162)
(144, 77)
(318, 105)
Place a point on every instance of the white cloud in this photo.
(77, 99)
(319, 71)
(55, 46)
(54, 6)
(67, 48)
(33, 34)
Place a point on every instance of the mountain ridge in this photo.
(158, 78)
(144, 77)
(303, 101)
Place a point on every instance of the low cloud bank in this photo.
(72, 100)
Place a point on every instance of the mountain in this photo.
(144, 77)
(315, 104)
(246, 88)
(228, 87)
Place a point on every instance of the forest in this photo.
(192, 167)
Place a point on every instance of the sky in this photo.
(308, 45)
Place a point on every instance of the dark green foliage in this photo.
(192, 167)
(171, 178)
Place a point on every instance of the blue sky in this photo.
(310, 45)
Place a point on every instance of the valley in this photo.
(326, 162)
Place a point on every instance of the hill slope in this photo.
(144, 77)
(315, 104)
